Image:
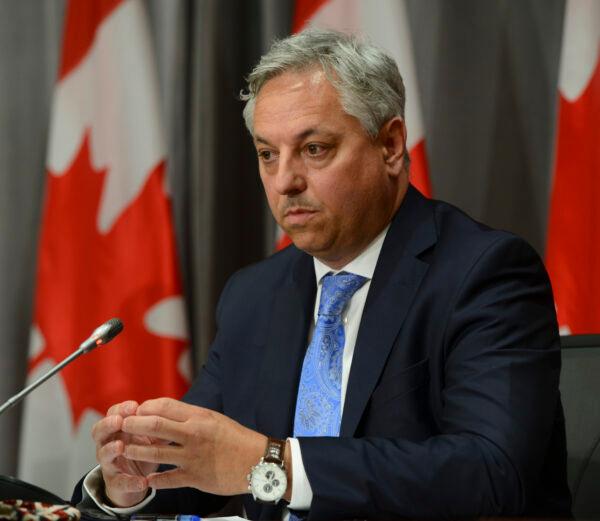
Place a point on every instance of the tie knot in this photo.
(337, 290)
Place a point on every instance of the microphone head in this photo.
(102, 334)
(113, 327)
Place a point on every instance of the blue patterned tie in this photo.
(318, 411)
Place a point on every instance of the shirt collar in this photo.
(363, 265)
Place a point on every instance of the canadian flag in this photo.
(385, 23)
(573, 247)
(107, 246)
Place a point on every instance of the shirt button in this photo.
(345, 320)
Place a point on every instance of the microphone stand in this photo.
(19, 396)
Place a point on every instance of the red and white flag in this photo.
(385, 23)
(107, 246)
(573, 247)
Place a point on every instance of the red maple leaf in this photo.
(86, 277)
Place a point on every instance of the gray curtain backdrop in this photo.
(487, 74)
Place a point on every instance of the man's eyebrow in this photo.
(320, 131)
(300, 136)
(262, 140)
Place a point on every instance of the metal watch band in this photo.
(274, 451)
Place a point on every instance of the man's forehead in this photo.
(308, 82)
(317, 76)
(301, 101)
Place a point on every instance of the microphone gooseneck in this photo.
(102, 335)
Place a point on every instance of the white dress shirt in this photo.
(302, 495)
(363, 265)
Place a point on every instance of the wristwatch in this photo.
(267, 480)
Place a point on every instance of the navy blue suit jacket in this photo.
(452, 407)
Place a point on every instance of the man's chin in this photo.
(308, 242)
(302, 239)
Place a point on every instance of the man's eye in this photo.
(265, 155)
(314, 149)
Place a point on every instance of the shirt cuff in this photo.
(93, 487)
(302, 494)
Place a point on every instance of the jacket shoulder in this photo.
(468, 238)
(255, 284)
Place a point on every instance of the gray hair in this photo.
(367, 79)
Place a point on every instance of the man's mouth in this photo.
(298, 216)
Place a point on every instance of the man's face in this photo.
(329, 184)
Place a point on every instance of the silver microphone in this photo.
(102, 335)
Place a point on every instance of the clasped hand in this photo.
(209, 451)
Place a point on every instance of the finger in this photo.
(105, 428)
(175, 478)
(165, 454)
(169, 408)
(128, 483)
(109, 451)
(123, 409)
(155, 427)
(109, 455)
(111, 459)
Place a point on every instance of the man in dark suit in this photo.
(400, 360)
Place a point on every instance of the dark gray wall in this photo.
(488, 73)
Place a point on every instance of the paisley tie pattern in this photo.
(318, 411)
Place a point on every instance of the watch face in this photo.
(268, 482)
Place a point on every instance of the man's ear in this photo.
(392, 139)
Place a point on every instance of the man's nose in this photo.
(290, 175)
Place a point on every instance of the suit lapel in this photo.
(396, 280)
(284, 351)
